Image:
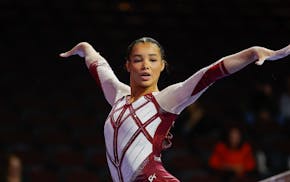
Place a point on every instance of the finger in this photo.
(67, 54)
(286, 50)
(276, 57)
(283, 52)
(63, 55)
(279, 54)
(260, 61)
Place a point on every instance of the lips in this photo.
(145, 76)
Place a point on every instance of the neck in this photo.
(139, 92)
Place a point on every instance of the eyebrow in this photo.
(139, 55)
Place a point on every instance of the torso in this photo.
(134, 134)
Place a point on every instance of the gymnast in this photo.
(137, 128)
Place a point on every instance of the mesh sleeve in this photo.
(176, 97)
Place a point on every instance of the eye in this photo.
(137, 60)
(153, 60)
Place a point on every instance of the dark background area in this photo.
(52, 113)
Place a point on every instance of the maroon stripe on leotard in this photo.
(224, 68)
(214, 73)
(167, 120)
(94, 72)
(140, 130)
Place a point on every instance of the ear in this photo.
(128, 66)
(163, 64)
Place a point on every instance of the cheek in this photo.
(132, 68)
(157, 69)
(133, 71)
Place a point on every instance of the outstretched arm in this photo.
(100, 70)
(241, 59)
(178, 96)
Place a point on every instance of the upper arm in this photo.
(178, 96)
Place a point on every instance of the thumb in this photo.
(67, 54)
(71, 52)
(260, 61)
(64, 55)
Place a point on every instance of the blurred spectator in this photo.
(196, 120)
(285, 103)
(12, 169)
(268, 135)
(232, 158)
(265, 129)
(262, 99)
(189, 119)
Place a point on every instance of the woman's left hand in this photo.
(274, 55)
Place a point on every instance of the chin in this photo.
(145, 85)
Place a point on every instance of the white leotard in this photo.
(135, 133)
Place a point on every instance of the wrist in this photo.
(255, 53)
(94, 58)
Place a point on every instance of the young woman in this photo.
(137, 128)
(232, 157)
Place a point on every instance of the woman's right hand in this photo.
(82, 49)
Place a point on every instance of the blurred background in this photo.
(52, 113)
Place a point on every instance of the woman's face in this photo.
(145, 65)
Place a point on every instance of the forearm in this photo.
(238, 61)
(92, 56)
(105, 77)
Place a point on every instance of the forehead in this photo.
(145, 48)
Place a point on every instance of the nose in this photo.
(146, 64)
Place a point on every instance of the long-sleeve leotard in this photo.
(136, 133)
